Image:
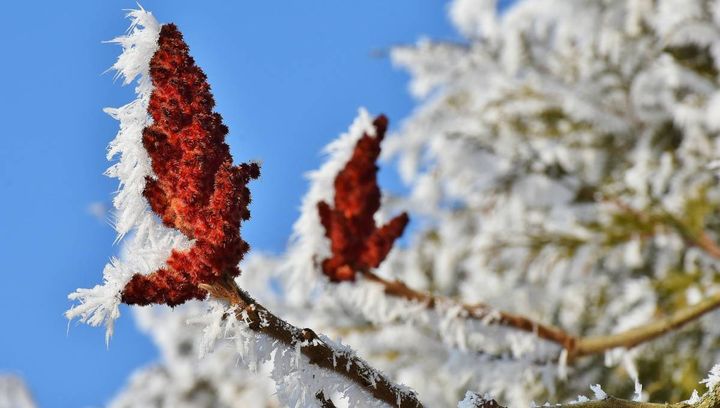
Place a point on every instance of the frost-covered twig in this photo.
(313, 347)
(576, 346)
(711, 399)
(478, 311)
(609, 402)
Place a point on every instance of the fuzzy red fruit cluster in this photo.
(357, 243)
(197, 190)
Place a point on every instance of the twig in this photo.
(479, 311)
(576, 346)
(315, 349)
(647, 332)
(711, 399)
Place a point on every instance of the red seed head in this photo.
(197, 190)
(357, 244)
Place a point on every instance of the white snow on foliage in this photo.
(713, 378)
(189, 373)
(150, 243)
(553, 118)
(14, 393)
(181, 379)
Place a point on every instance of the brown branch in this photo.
(576, 346)
(647, 332)
(711, 399)
(479, 311)
(612, 402)
(315, 349)
(324, 402)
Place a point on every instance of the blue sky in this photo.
(287, 76)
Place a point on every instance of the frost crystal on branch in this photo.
(713, 378)
(150, 243)
(298, 381)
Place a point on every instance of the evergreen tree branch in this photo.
(314, 348)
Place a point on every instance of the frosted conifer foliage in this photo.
(565, 148)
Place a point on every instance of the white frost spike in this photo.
(599, 393)
(694, 398)
(308, 243)
(562, 365)
(151, 243)
(101, 303)
(637, 396)
(476, 18)
(473, 400)
(713, 378)
(139, 45)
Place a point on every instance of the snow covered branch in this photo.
(711, 399)
(317, 350)
(576, 346)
